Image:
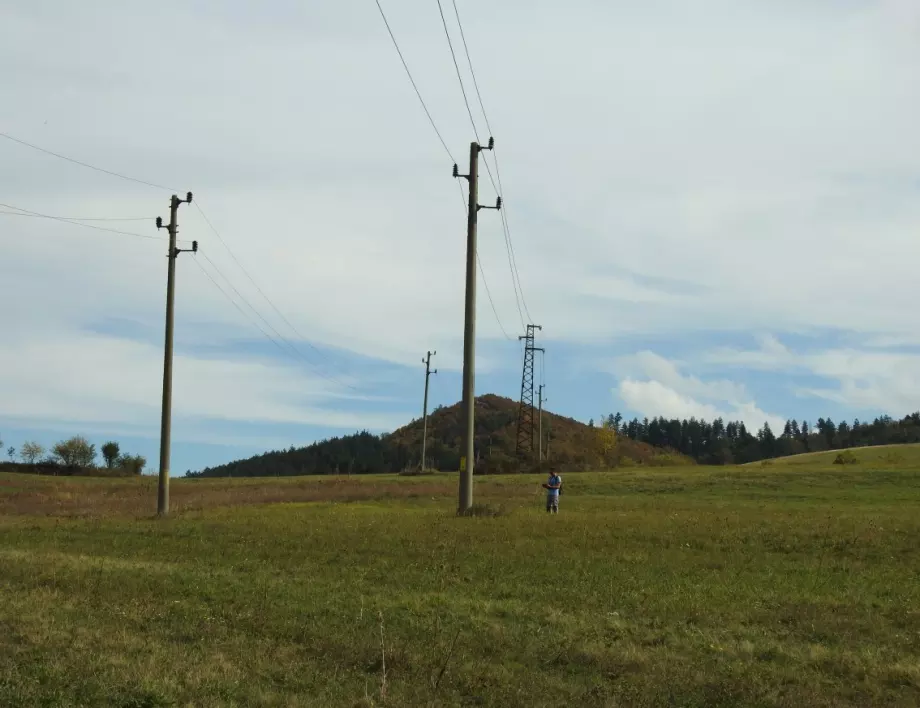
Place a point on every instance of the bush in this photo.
(845, 458)
(76, 452)
(133, 464)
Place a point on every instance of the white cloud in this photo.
(652, 399)
(88, 378)
(669, 168)
(870, 381)
(658, 368)
(864, 379)
(668, 392)
(772, 355)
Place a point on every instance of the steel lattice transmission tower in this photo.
(525, 431)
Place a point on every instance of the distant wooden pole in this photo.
(540, 424)
(428, 373)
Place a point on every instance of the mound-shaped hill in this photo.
(568, 445)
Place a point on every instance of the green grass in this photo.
(903, 456)
(757, 586)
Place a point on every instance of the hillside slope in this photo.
(569, 445)
(897, 455)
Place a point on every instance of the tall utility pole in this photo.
(428, 372)
(166, 415)
(467, 449)
(540, 425)
(525, 431)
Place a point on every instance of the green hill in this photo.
(899, 455)
(569, 445)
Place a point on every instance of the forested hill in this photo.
(719, 442)
(569, 445)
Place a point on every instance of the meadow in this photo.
(790, 583)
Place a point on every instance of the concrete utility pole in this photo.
(166, 416)
(467, 449)
(428, 372)
(540, 424)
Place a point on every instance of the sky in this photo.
(713, 208)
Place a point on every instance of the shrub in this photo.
(76, 452)
(133, 464)
(845, 458)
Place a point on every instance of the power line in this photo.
(543, 368)
(483, 273)
(256, 286)
(127, 233)
(296, 352)
(25, 212)
(151, 184)
(466, 101)
(85, 164)
(509, 243)
(506, 230)
(87, 218)
(240, 309)
(509, 250)
(112, 218)
(489, 294)
(469, 61)
(453, 55)
(441, 138)
(412, 80)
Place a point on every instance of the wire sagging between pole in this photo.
(412, 81)
(19, 211)
(86, 164)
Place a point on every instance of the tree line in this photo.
(723, 443)
(362, 453)
(78, 452)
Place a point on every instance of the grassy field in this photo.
(773, 585)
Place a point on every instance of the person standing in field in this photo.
(553, 488)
